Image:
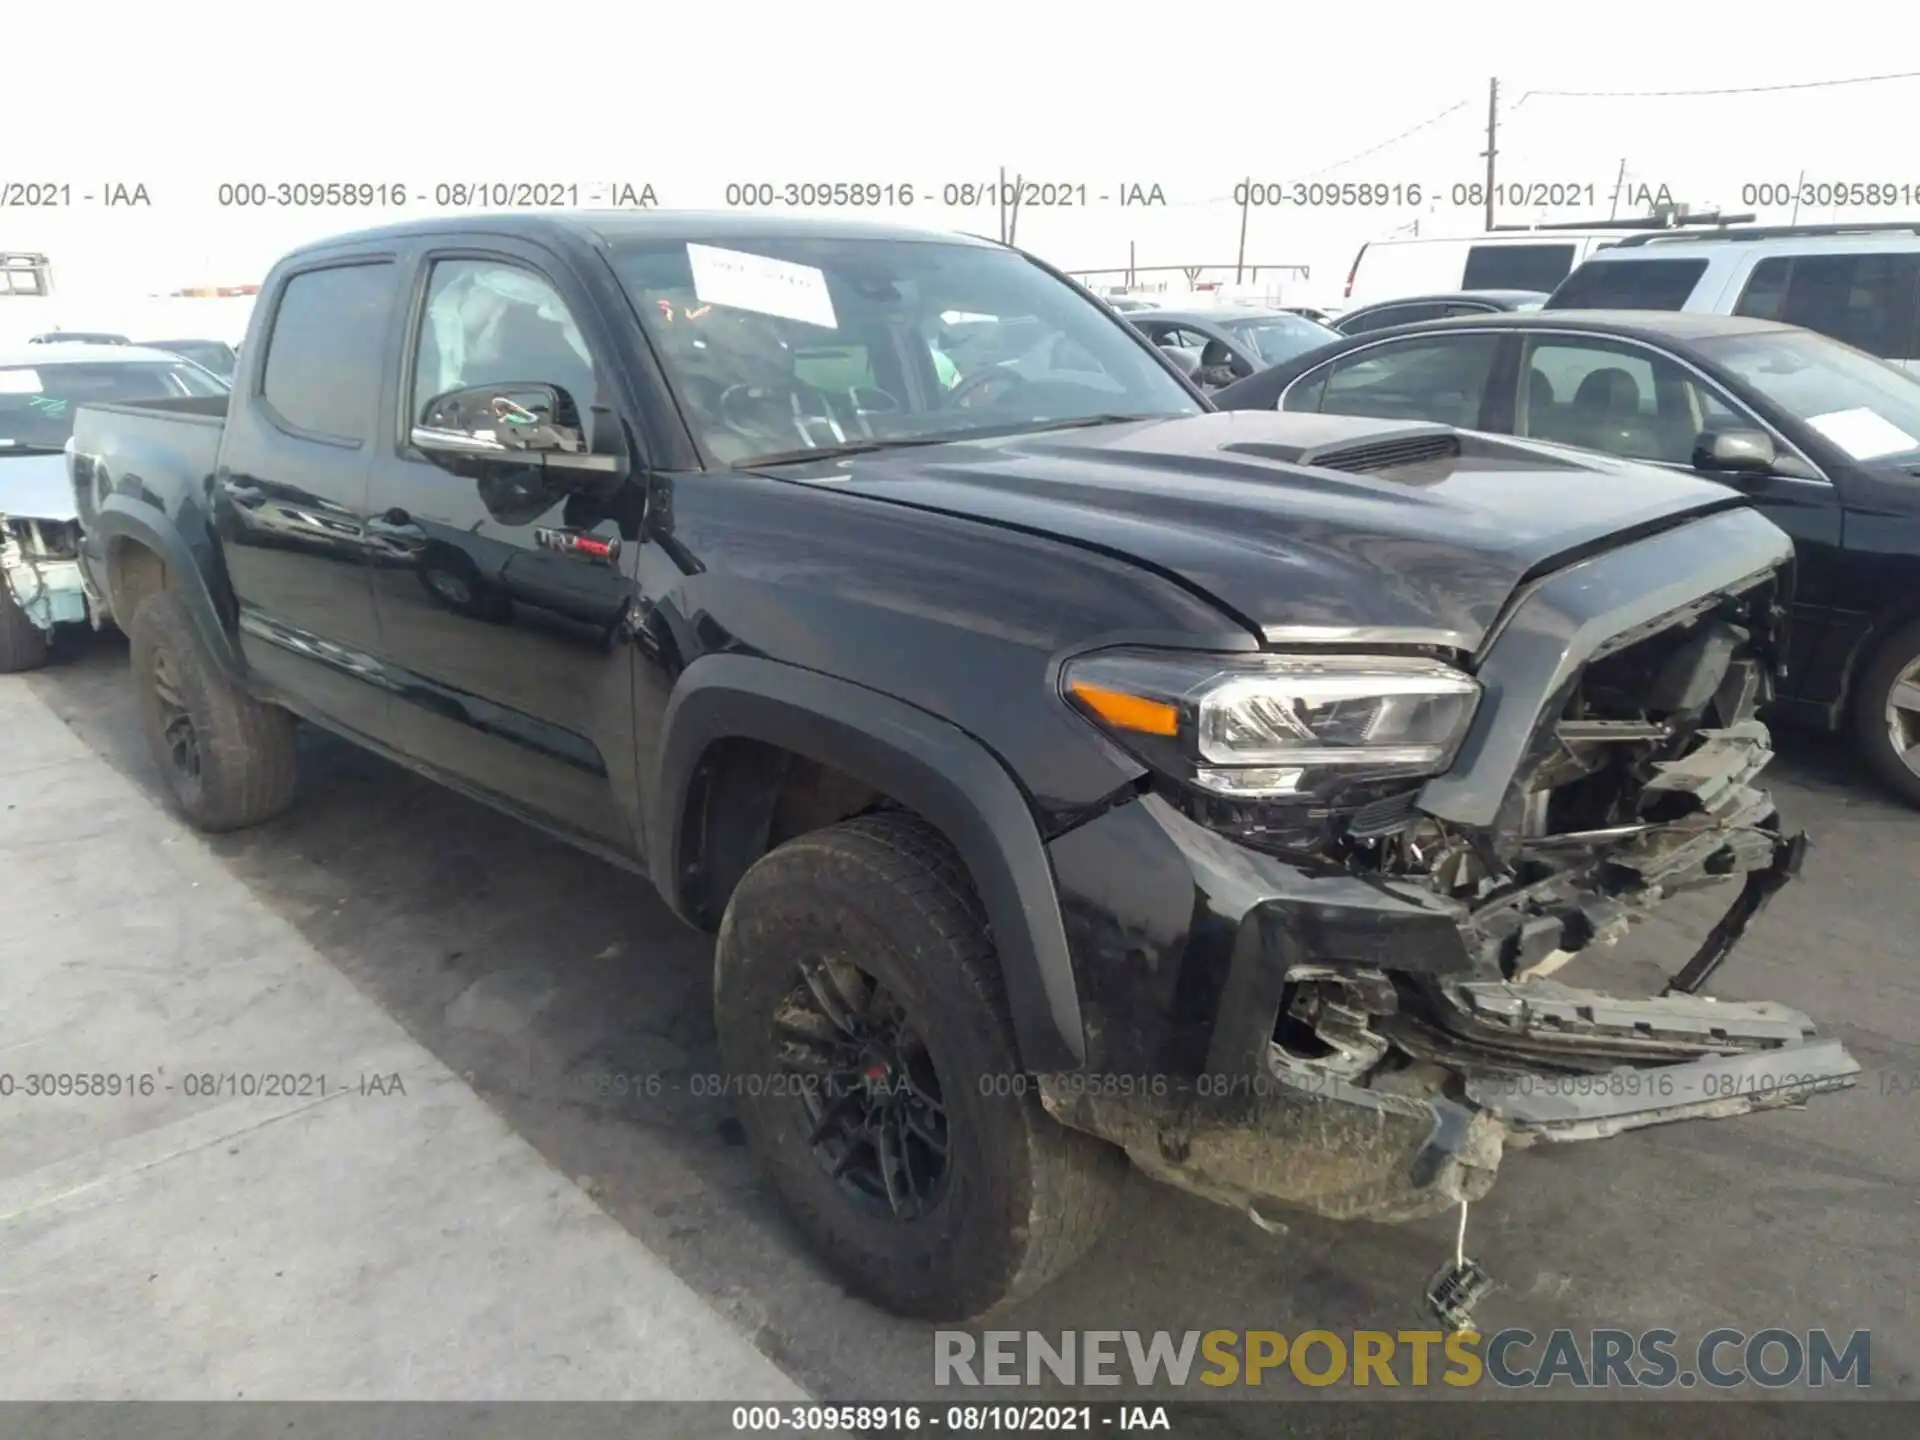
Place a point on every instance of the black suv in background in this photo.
(1068, 772)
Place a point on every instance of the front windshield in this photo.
(37, 401)
(778, 345)
(1868, 408)
(1276, 338)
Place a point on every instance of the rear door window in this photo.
(1517, 267)
(1863, 300)
(1436, 378)
(1629, 285)
(323, 354)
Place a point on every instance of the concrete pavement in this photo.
(249, 1180)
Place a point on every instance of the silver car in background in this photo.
(41, 386)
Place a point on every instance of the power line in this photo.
(1376, 149)
(1733, 90)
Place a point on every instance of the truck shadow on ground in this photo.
(571, 1000)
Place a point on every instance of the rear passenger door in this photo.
(1865, 298)
(290, 496)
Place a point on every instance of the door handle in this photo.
(396, 531)
(395, 525)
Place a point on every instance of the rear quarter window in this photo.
(1517, 267)
(1864, 300)
(1629, 285)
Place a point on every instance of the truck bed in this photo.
(177, 438)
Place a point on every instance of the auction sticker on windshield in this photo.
(1863, 434)
(766, 286)
(20, 382)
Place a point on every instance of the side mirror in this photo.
(1747, 452)
(524, 424)
(1188, 362)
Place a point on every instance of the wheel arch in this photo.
(923, 763)
(143, 551)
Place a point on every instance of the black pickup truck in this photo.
(1069, 771)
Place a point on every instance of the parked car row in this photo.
(922, 631)
(1775, 360)
(214, 355)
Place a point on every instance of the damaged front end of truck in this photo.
(1392, 1010)
(43, 589)
(41, 586)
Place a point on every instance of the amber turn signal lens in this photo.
(1128, 712)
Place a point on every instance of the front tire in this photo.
(1886, 713)
(228, 759)
(23, 644)
(866, 1033)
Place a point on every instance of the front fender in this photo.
(937, 770)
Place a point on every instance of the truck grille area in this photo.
(1638, 788)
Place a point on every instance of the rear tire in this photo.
(23, 644)
(1886, 713)
(228, 759)
(881, 910)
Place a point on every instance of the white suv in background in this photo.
(1857, 283)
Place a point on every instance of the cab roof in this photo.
(616, 226)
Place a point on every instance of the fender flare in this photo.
(936, 769)
(126, 517)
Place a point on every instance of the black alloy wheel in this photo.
(869, 1096)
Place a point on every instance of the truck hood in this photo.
(1223, 503)
(36, 487)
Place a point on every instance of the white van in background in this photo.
(1498, 260)
(1435, 265)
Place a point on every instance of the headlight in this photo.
(1267, 726)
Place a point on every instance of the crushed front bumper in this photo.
(1431, 1040)
(1295, 1139)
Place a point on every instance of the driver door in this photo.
(502, 601)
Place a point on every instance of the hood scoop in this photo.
(1381, 450)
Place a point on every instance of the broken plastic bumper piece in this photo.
(1744, 1057)
(1518, 1063)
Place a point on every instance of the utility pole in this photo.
(1000, 194)
(1013, 213)
(1493, 129)
(1131, 258)
(1802, 180)
(1246, 204)
(1619, 184)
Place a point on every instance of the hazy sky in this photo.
(690, 98)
